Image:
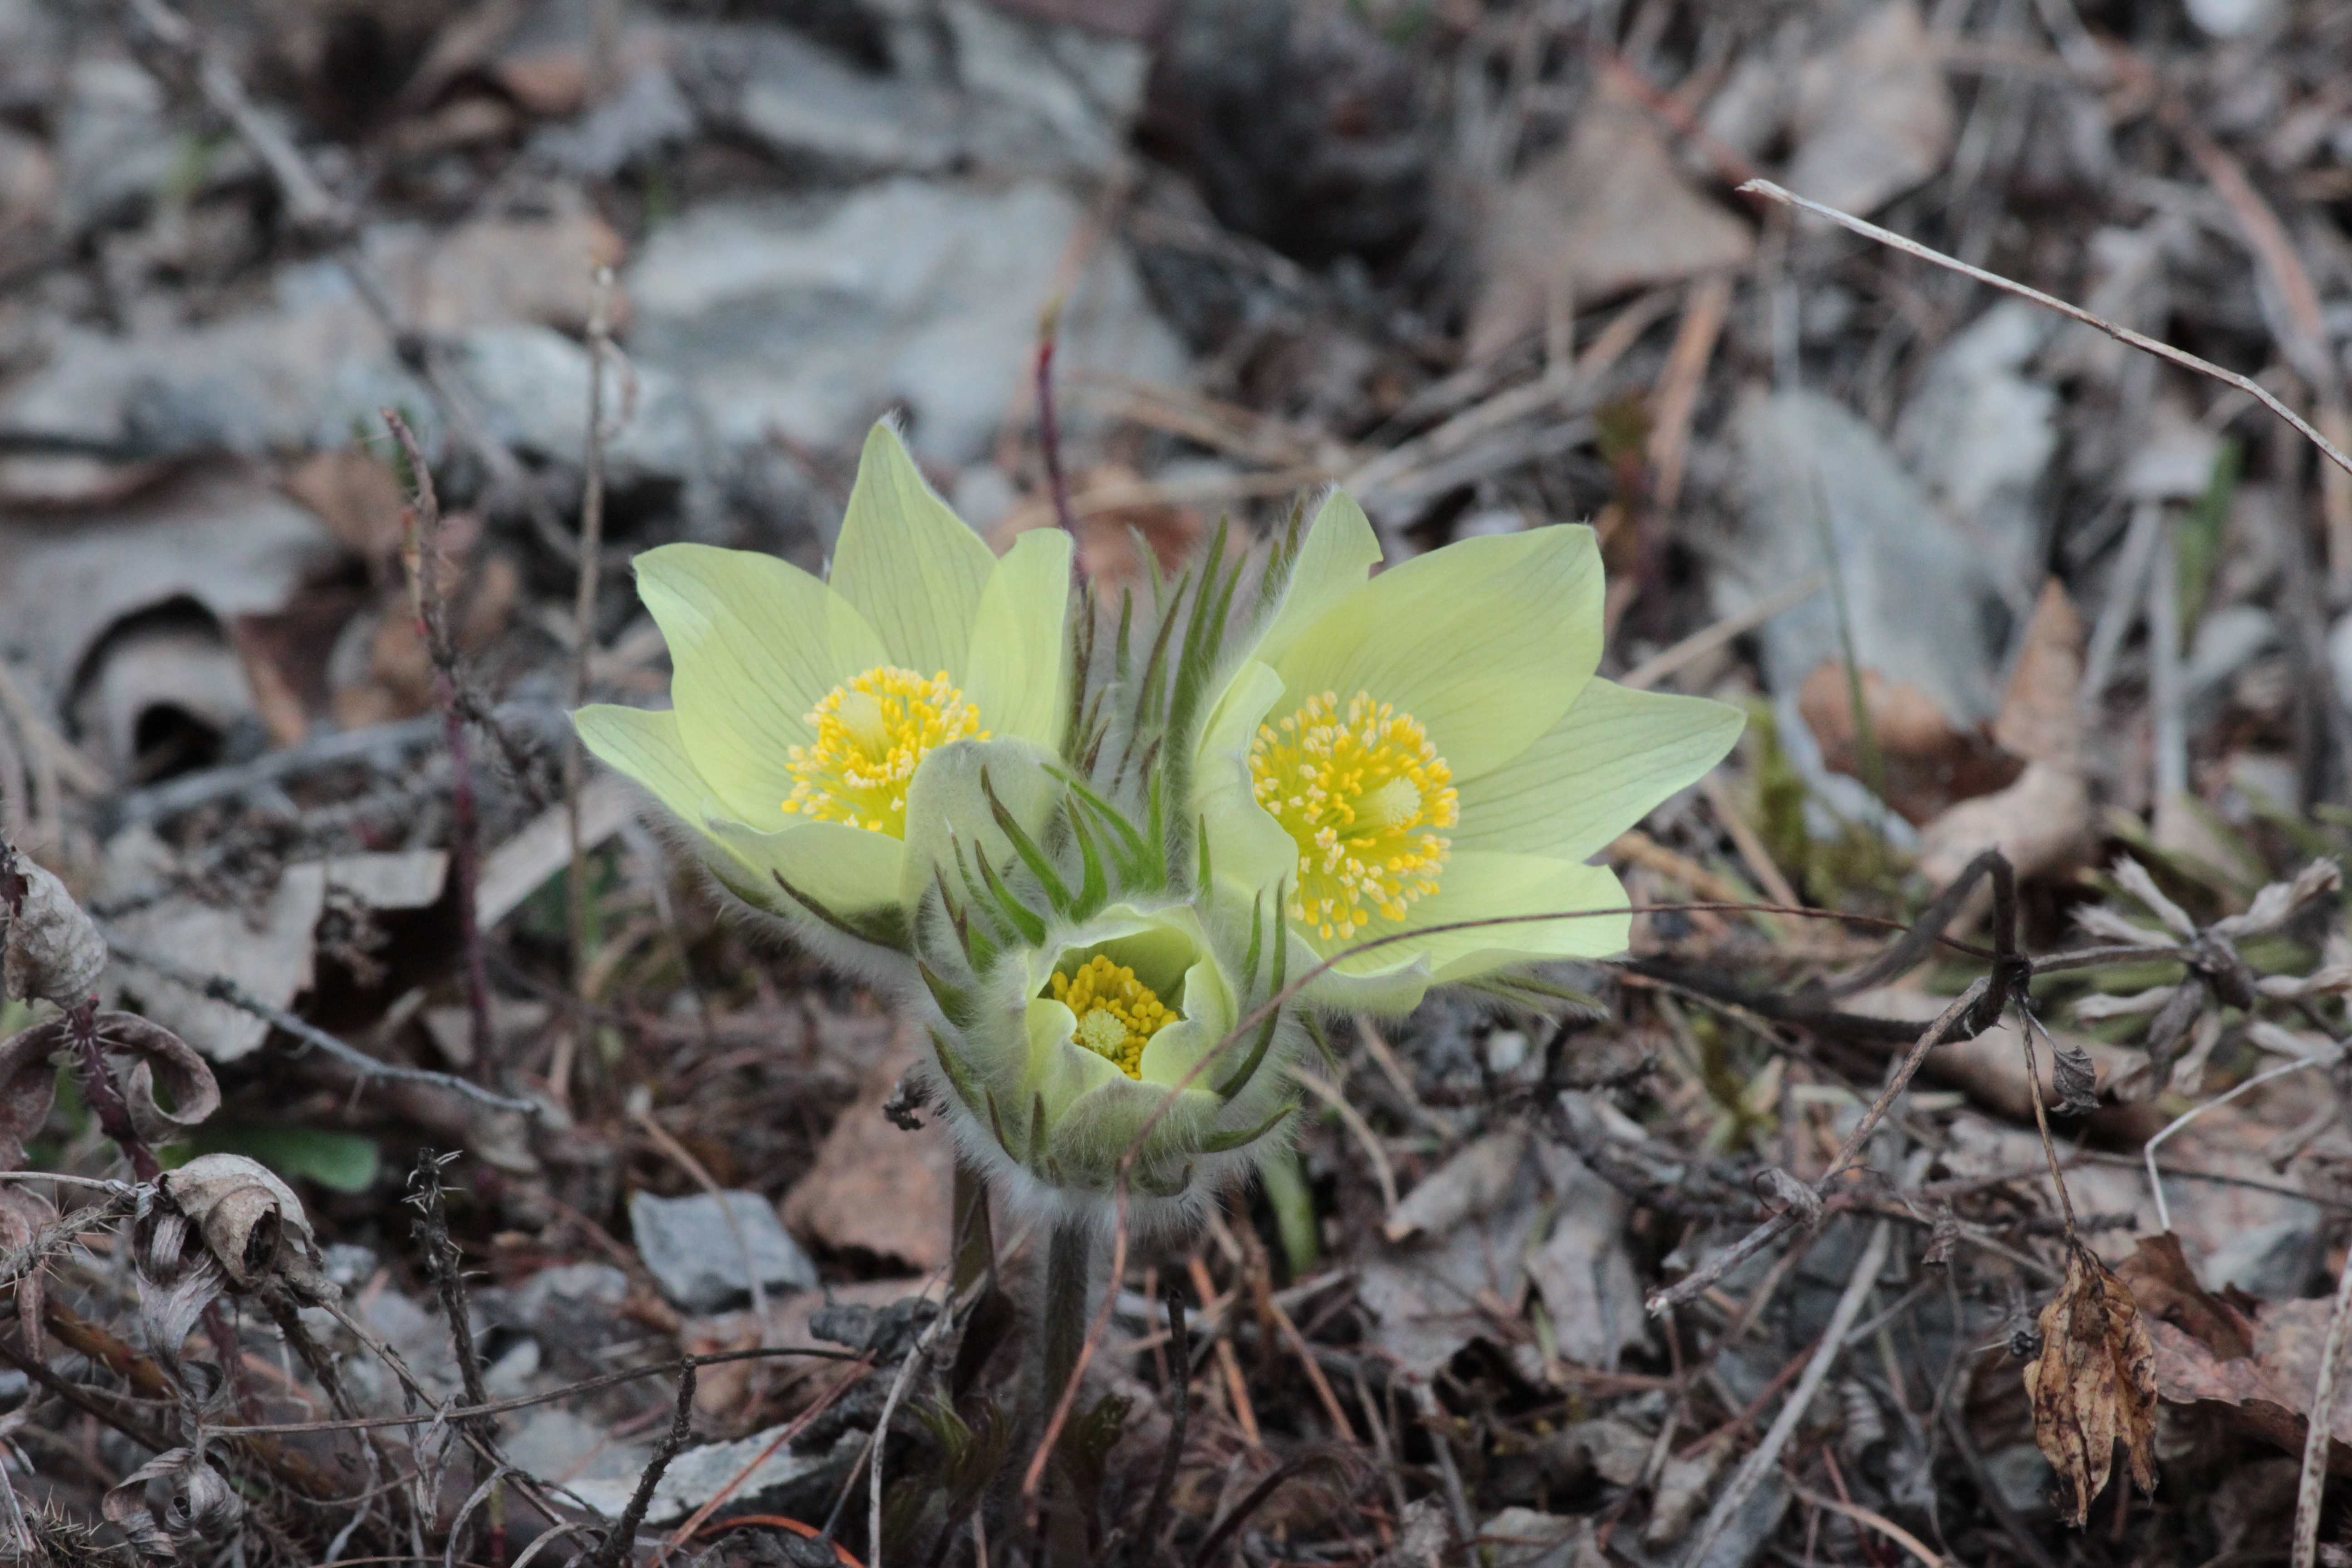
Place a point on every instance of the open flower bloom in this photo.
(1431, 747)
(800, 708)
(1105, 1038)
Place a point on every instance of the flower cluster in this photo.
(1120, 870)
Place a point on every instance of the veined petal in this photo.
(907, 563)
(1334, 560)
(1248, 850)
(850, 870)
(645, 747)
(1485, 642)
(1614, 754)
(1017, 672)
(1484, 885)
(755, 642)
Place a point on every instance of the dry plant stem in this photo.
(1049, 429)
(2042, 1120)
(615, 1548)
(1424, 1399)
(824, 1402)
(1784, 1425)
(2154, 1181)
(1877, 1521)
(1781, 1224)
(422, 552)
(584, 642)
(2120, 334)
(1146, 1540)
(220, 988)
(2320, 1433)
(1646, 675)
(442, 1258)
(99, 1090)
(694, 1168)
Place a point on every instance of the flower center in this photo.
(1118, 1013)
(871, 731)
(1359, 793)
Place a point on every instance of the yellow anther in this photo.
(1118, 1013)
(1359, 793)
(871, 731)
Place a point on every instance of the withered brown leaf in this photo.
(2093, 1384)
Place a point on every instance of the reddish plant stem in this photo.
(1049, 429)
(105, 1100)
(421, 547)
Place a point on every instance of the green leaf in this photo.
(1025, 921)
(340, 1162)
(1241, 1138)
(883, 926)
(1057, 891)
(1094, 888)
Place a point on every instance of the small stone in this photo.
(697, 1257)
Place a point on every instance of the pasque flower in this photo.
(801, 708)
(1115, 1036)
(1431, 747)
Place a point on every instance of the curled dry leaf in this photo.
(2093, 1384)
(51, 949)
(28, 1087)
(156, 1054)
(174, 1500)
(251, 1222)
(2076, 1078)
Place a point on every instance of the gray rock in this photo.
(1817, 480)
(646, 115)
(697, 1258)
(1522, 1538)
(695, 1476)
(812, 318)
(1044, 96)
(2273, 1262)
(532, 382)
(808, 105)
(555, 1442)
(113, 147)
(1980, 433)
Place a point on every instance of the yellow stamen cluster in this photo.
(871, 731)
(1359, 794)
(1118, 1013)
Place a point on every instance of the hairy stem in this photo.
(1071, 1260)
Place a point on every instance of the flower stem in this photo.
(1071, 1260)
(973, 1243)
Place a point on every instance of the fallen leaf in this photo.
(1875, 115)
(2041, 717)
(1927, 762)
(2166, 1290)
(1608, 212)
(2093, 1384)
(875, 1188)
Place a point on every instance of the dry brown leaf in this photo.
(2093, 1384)
(1928, 761)
(357, 497)
(2166, 1290)
(875, 1188)
(1874, 116)
(1608, 212)
(2041, 717)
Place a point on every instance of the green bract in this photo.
(1431, 747)
(1058, 1115)
(801, 708)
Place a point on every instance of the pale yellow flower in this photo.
(802, 709)
(1431, 747)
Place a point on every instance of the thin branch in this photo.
(1784, 1425)
(2140, 340)
(584, 642)
(2320, 1434)
(220, 988)
(422, 550)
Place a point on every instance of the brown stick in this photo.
(2140, 340)
(583, 641)
(422, 549)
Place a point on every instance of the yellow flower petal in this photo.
(756, 643)
(847, 870)
(1485, 643)
(907, 563)
(1334, 560)
(1018, 670)
(1614, 755)
(645, 746)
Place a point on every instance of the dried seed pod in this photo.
(52, 951)
(251, 1222)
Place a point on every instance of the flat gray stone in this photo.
(698, 1259)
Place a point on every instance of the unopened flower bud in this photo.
(1118, 1042)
